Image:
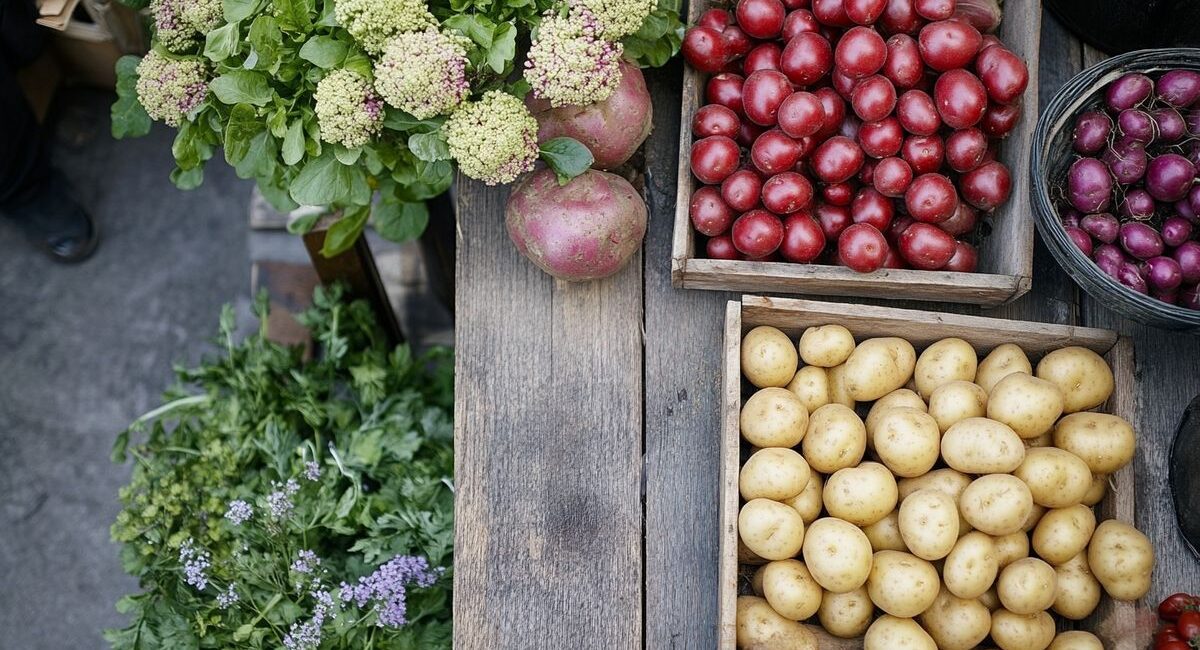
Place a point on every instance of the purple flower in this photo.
(280, 501)
(239, 511)
(307, 635)
(305, 562)
(312, 469)
(196, 562)
(228, 597)
(387, 588)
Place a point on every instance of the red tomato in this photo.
(1173, 645)
(1189, 625)
(1174, 605)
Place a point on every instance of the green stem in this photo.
(170, 406)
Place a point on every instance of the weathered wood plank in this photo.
(548, 445)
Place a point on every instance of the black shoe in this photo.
(54, 222)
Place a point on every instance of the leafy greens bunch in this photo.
(332, 102)
(277, 502)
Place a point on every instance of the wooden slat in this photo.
(731, 388)
(548, 422)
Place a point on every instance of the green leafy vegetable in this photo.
(567, 157)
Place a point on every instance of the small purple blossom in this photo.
(228, 597)
(196, 562)
(239, 512)
(312, 469)
(387, 588)
(280, 501)
(305, 562)
(307, 635)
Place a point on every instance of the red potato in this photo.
(871, 207)
(866, 173)
(837, 159)
(833, 219)
(843, 83)
(923, 152)
(835, 112)
(803, 239)
(840, 194)
(863, 248)
(715, 119)
(726, 89)
(900, 17)
(714, 158)
(864, 12)
(703, 49)
(935, 9)
(903, 66)
(892, 177)
(931, 199)
(1003, 74)
(757, 233)
(1000, 119)
(874, 98)
(801, 114)
(881, 139)
(965, 149)
(860, 52)
(584, 230)
(926, 247)
(960, 97)
(831, 13)
(949, 44)
(962, 221)
(917, 113)
(984, 15)
(774, 152)
(762, 95)
(737, 43)
(764, 56)
(806, 58)
(986, 186)
(612, 129)
(797, 21)
(964, 260)
(710, 214)
(721, 248)
(761, 19)
(716, 18)
(741, 190)
(786, 193)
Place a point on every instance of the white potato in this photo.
(1013, 631)
(1035, 516)
(746, 556)
(1011, 547)
(950, 481)
(826, 346)
(774, 473)
(982, 446)
(955, 401)
(1027, 586)
(760, 628)
(878, 367)
(972, 565)
(861, 495)
(907, 440)
(947, 360)
(997, 504)
(1076, 640)
(836, 439)
(929, 523)
(838, 393)
(772, 530)
(1056, 477)
(901, 397)
(1105, 442)
(790, 589)
(1063, 533)
(768, 357)
(846, 615)
(990, 600)
(891, 633)
(811, 385)
(1000, 363)
(885, 533)
(956, 623)
(1084, 377)
(1078, 590)
(808, 503)
(901, 584)
(1122, 559)
(774, 417)
(1097, 490)
(1030, 406)
(838, 554)
(1044, 440)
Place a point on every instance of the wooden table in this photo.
(587, 428)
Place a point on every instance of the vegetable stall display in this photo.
(368, 106)
(278, 502)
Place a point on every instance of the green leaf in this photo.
(567, 157)
(346, 503)
(360, 64)
(347, 156)
(322, 181)
(477, 27)
(293, 143)
(243, 632)
(504, 47)
(303, 223)
(222, 42)
(324, 51)
(241, 128)
(242, 86)
(260, 161)
(293, 15)
(429, 147)
(401, 222)
(236, 10)
(187, 179)
(276, 195)
(345, 231)
(398, 120)
(265, 37)
(129, 119)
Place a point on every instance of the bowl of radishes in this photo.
(1117, 186)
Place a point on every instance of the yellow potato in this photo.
(774, 473)
(1121, 558)
(836, 439)
(811, 385)
(1105, 442)
(771, 530)
(885, 533)
(929, 523)
(1027, 586)
(972, 566)
(861, 495)
(943, 362)
(808, 503)
(1000, 363)
(1013, 631)
(1063, 533)
(1035, 516)
(907, 441)
(1096, 490)
(891, 633)
(838, 554)
(997, 504)
(1056, 478)
(1078, 590)
(774, 417)
(1084, 377)
(982, 446)
(1010, 548)
(901, 397)
(949, 481)
(956, 623)
(826, 346)
(848, 614)
(1076, 640)
(1030, 406)
(878, 367)
(746, 556)
(1044, 440)
(990, 600)
(768, 357)
(901, 584)
(838, 393)
(955, 401)
(790, 589)
(760, 628)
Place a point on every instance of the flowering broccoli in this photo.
(493, 139)
(620, 18)
(423, 73)
(374, 22)
(170, 89)
(348, 111)
(182, 24)
(570, 62)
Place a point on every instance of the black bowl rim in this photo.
(1072, 96)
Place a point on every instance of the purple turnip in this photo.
(1089, 185)
(1081, 239)
(1136, 125)
(1163, 273)
(1128, 91)
(1140, 240)
(1103, 226)
(1171, 127)
(1130, 276)
(1092, 130)
(1127, 160)
(1109, 258)
(1176, 230)
(1179, 88)
(1188, 256)
(1137, 204)
(1169, 177)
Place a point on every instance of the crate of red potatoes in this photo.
(858, 147)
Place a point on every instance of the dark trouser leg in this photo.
(24, 163)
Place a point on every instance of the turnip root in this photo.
(612, 129)
(584, 230)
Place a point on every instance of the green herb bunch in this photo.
(366, 106)
(282, 502)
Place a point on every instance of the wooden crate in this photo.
(1113, 621)
(1005, 258)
